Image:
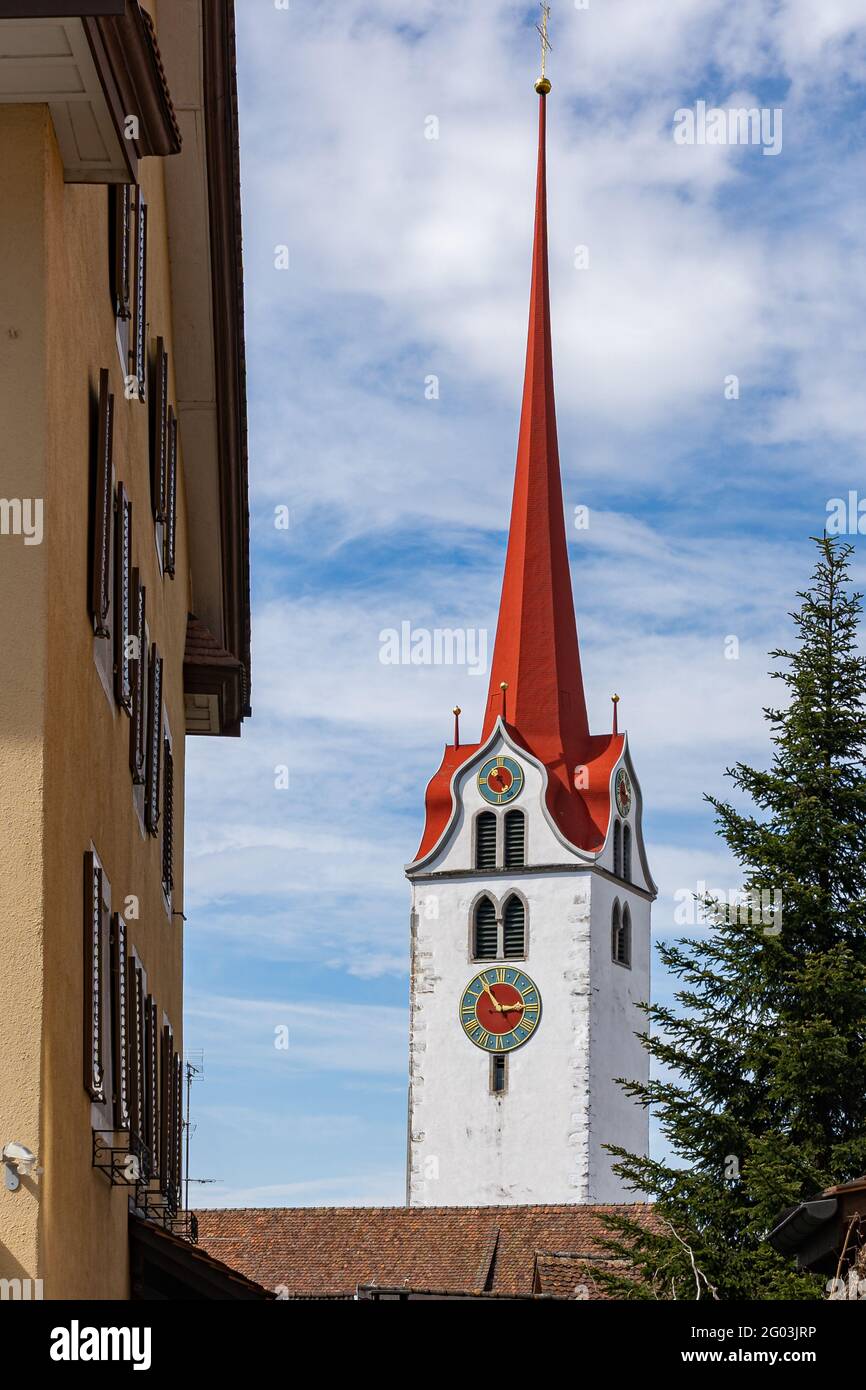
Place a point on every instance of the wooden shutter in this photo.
(100, 596)
(135, 1045)
(138, 724)
(514, 929)
(96, 890)
(123, 616)
(178, 1123)
(159, 432)
(139, 352)
(171, 497)
(486, 932)
(515, 839)
(485, 841)
(121, 238)
(167, 818)
(120, 1022)
(154, 741)
(151, 1083)
(166, 1107)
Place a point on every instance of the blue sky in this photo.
(409, 257)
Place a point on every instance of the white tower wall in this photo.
(542, 1140)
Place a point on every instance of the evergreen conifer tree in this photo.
(759, 1082)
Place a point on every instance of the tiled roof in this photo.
(203, 649)
(570, 1276)
(330, 1251)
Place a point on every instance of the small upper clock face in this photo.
(500, 780)
(623, 792)
(500, 1009)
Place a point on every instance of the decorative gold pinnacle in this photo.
(543, 84)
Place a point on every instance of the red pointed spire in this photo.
(535, 681)
(536, 650)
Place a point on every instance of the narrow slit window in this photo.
(621, 936)
(485, 931)
(485, 841)
(617, 848)
(515, 839)
(626, 853)
(499, 1073)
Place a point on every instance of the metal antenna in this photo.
(193, 1069)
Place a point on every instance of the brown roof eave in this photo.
(223, 173)
(129, 63)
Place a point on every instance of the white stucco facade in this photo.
(541, 1141)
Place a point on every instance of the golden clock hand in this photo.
(492, 997)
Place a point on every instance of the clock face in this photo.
(500, 780)
(500, 1009)
(623, 792)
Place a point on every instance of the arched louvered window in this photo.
(621, 935)
(514, 929)
(515, 839)
(617, 848)
(626, 853)
(485, 931)
(485, 841)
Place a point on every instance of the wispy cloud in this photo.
(409, 258)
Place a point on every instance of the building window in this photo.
(97, 912)
(102, 557)
(485, 841)
(123, 600)
(140, 679)
(120, 1022)
(515, 839)
(159, 433)
(621, 936)
(151, 1084)
(626, 853)
(154, 741)
(121, 253)
(617, 848)
(169, 557)
(138, 347)
(167, 818)
(120, 220)
(485, 931)
(499, 1073)
(514, 929)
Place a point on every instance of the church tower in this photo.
(531, 891)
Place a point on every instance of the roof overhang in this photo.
(205, 250)
(95, 64)
(809, 1231)
(162, 1266)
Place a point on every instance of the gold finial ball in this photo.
(615, 699)
(457, 710)
(542, 86)
(503, 685)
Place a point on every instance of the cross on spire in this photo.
(543, 84)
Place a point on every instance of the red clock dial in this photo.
(490, 1017)
(499, 779)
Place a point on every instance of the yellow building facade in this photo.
(124, 600)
